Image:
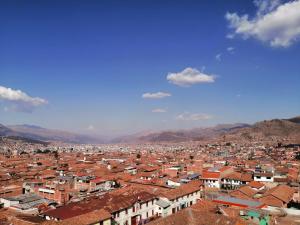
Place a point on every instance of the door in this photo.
(134, 220)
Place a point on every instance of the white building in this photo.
(264, 177)
(178, 198)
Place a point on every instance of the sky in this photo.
(119, 67)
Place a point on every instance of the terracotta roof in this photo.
(182, 190)
(192, 216)
(282, 193)
(110, 202)
(239, 176)
(244, 192)
(85, 219)
(210, 175)
(256, 184)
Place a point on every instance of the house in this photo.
(131, 170)
(244, 192)
(256, 185)
(264, 177)
(211, 179)
(212, 176)
(130, 207)
(25, 203)
(162, 208)
(180, 197)
(57, 193)
(235, 179)
(193, 216)
(96, 217)
(99, 184)
(174, 182)
(278, 196)
(82, 182)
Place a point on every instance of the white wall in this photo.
(123, 217)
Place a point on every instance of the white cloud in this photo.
(274, 23)
(156, 95)
(230, 49)
(20, 101)
(218, 57)
(159, 110)
(186, 116)
(230, 36)
(189, 76)
(91, 127)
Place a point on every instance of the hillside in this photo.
(294, 119)
(180, 135)
(264, 130)
(43, 134)
(267, 130)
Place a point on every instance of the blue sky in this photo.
(84, 65)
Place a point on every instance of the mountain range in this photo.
(268, 129)
(43, 134)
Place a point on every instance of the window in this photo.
(152, 212)
(147, 215)
(147, 204)
(268, 178)
(126, 211)
(133, 209)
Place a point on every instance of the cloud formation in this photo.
(20, 101)
(274, 23)
(189, 76)
(158, 110)
(230, 49)
(218, 57)
(186, 116)
(157, 95)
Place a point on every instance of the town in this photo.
(149, 112)
(129, 184)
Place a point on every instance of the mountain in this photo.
(180, 135)
(131, 138)
(269, 129)
(294, 119)
(43, 134)
(5, 131)
(264, 130)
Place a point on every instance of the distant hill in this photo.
(268, 129)
(264, 130)
(43, 134)
(181, 135)
(294, 119)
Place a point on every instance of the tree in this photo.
(55, 153)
